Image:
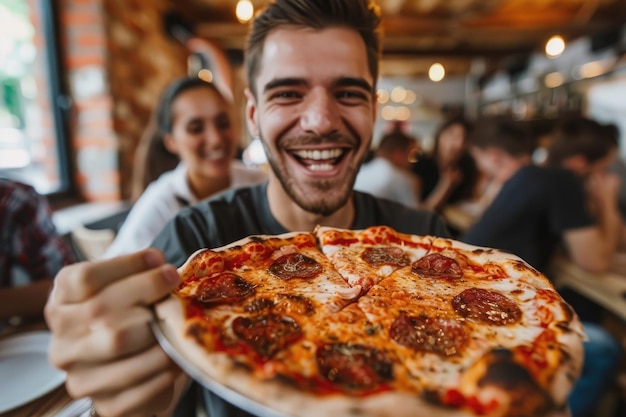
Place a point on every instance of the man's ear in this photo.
(251, 114)
(577, 163)
(375, 107)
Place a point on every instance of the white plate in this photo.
(25, 373)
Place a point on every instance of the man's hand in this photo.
(97, 313)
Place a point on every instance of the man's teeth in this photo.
(320, 167)
(318, 155)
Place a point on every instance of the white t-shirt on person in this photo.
(161, 201)
(381, 178)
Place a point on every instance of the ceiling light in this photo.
(398, 94)
(410, 98)
(553, 79)
(592, 69)
(244, 11)
(388, 113)
(205, 75)
(403, 113)
(555, 46)
(436, 72)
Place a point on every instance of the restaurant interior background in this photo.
(79, 77)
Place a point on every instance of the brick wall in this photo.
(118, 60)
(142, 60)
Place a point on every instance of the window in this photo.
(32, 132)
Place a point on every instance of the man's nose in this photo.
(320, 115)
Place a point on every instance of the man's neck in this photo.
(510, 168)
(202, 189)
(295, 218)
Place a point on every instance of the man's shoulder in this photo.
(232, 205)
(248, 194)
(544, 177)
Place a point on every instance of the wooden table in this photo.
(48, 405)
(607, 289)
(459, 217)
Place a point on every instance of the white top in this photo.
(381, 178)
(161, 201)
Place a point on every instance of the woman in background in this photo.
(192, 132)
(449, 175)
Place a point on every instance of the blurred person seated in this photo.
(537, 208)
(31, 251)
(194, 132)
(387, 174)
(618, 166)
(151, 157)
(449, 175)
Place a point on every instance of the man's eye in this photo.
(351, 95)
(285, 95)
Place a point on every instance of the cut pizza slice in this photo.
(289, 264)
(459, 321)
(342, 355)
(260, 296)
(364, 257)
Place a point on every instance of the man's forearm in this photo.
(611, 225)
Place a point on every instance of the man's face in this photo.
(486, 160)
(314, 110)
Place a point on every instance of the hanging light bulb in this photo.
(436, 72)
(244, 11)
(555, 46)
(206, 74)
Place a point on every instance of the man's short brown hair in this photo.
(579, 136)
(395, 141)
(360, 15)
(502, 133)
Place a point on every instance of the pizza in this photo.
(372, 322)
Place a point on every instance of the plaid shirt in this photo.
(30, 247)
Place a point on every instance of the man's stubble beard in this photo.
(320, 206)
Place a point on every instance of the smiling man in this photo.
(316, 125)
(312, 70)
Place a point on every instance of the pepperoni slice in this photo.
(295, 265)
(437, 265)
(259, 304)
(356, 367)
(488, 306)
(267, 334)
(429, 334)
(386, 255)
(294, 304)
(224, 288)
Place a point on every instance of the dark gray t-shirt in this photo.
(242, 212)
(530, 214)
